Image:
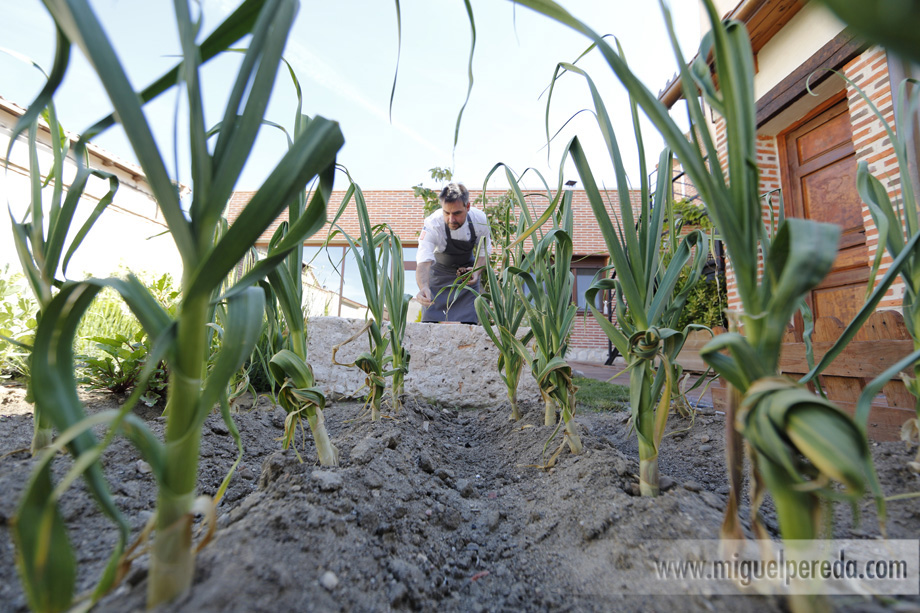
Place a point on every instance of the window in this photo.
(585, 268)
(409, 254)
(336, 271)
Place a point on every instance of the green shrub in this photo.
(18, 312)
(119, 368)
(112, 347)
(706, 302)
(430, 201)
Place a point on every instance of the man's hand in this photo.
(423, 280)
(474, 277)
(424, 297)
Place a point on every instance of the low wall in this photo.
(453, 364)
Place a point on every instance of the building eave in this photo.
(762, 18)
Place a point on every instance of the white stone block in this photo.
(453, 364)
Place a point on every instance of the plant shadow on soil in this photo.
(431, 509)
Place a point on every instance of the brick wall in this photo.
(869, 72)
(588, 341)
(768, 162)
(403, 212)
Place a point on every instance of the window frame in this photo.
(592, 263)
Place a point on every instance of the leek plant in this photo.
(648, 305)
(802, 445)
(44, 554)
(546, 292)
(499, 304)
(298, 394)
(379, 256)
(41, 236)
(647, 273)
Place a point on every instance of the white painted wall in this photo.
(809, 30)
(125, 236)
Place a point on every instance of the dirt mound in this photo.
(431, 509)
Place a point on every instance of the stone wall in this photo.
(453, 364)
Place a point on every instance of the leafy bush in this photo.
(18, 312)
(693, 215)
(107, 317)
(706, 302)
(113, 347)
(119, 368)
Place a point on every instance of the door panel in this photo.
(835, 132)
(819, 178)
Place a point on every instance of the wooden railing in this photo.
(881, 342)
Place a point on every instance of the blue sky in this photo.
(344, 54)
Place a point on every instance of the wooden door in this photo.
(819, 180)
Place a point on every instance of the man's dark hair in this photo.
(455, 192)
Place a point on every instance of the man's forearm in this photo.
(423, 275)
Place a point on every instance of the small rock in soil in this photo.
(329, 580)
(706, 447)
(219, 428)
(692, 486)
(397, 593)
(373, 480)
(278, 416)
(424, 462)
(365, 450)
(665, 483)
(392, 439)
(466, 489)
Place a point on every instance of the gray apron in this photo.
(452, 304)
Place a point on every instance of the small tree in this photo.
(430, 201)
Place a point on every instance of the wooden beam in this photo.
(833, 55)
(762, 18)
(859, 359)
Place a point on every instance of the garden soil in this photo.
(431, 509)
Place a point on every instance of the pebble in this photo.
(278, 417)
(425, 463)
(143, 467)
(220, 428)
(365, 450)
(706, 447)
(692, 486)
(704, 438)
(329, 580)
(466, 489)
(665, 483)
(327, 480)
(373, 480)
